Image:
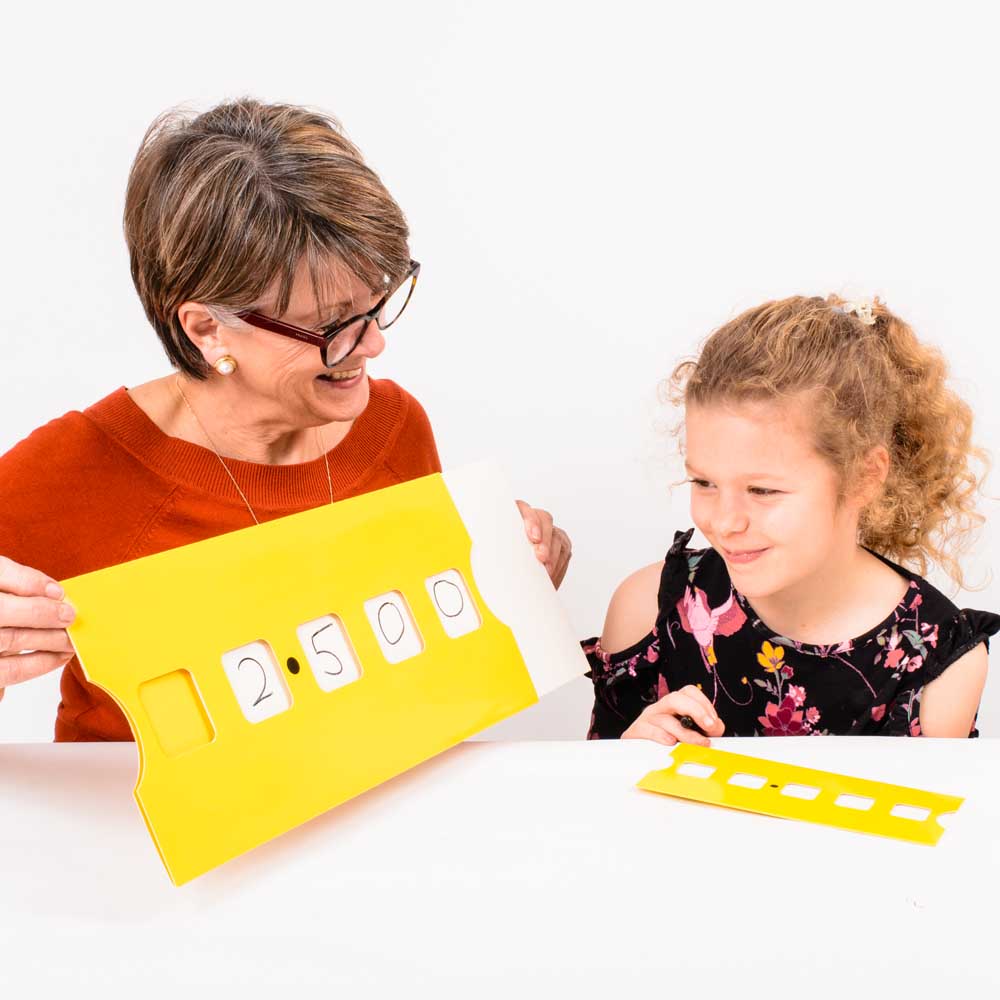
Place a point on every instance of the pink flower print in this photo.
(878, 713)
(914, 663)
(917, 601)
(661, 687)
(893, 658)
(798, 694)
(812, 715)
(915, 727)
(782, 720)
(652, 654)
(787, 672)
(705, 622)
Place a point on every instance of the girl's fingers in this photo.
(643, 729)
(683, 703)
(692, 691)
(705, 715)
(27, 666)
(673, 726)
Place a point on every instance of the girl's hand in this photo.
(33, 620)
(553, 548)
(661, 722)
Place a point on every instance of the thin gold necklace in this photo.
(208, 438)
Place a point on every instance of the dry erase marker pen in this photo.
(688, 723)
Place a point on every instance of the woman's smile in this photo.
(343, 379)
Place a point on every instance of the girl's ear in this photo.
(874, 471)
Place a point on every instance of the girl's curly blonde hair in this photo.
(865, 384)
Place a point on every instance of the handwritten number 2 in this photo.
(264, 693)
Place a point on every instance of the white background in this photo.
(591, 190)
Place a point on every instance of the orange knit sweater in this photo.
(104, 486)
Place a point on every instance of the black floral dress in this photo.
(762, 684)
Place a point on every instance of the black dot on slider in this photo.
(774, 786)
(293, 665)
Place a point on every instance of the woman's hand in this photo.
(33, 620)
(553, 548)
(661, 722)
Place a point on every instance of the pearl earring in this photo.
(226, 365)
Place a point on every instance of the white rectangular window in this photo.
(329, 652)
(394, 627)
(453, 604)
(257, 681)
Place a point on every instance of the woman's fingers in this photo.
(33, 620)
(539, 528)
(532, 525)
(52, 640)
(27, 666)
(562, 552)
(26, 582)
(34, 612)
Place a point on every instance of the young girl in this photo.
(825, 454)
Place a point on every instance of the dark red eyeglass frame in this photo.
(324, 338)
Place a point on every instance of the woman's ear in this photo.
(203, 330)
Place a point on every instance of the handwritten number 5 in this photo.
(340, 665)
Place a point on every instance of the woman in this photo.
(270, 261)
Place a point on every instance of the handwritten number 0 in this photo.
(264, 693)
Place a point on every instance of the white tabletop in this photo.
(535, 867)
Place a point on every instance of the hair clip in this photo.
(863, 310)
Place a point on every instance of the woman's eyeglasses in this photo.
(337, 341)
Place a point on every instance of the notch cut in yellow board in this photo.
(272, 673)
(176, 712)
(751, 784)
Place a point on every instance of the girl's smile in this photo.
(741, 558)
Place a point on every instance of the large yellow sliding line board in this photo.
(751, 784)
(275, 672)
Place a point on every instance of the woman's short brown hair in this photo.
(223, 205)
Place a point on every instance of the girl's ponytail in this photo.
(927, 509)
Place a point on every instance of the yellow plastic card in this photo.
(717, 777)
(274, 672)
